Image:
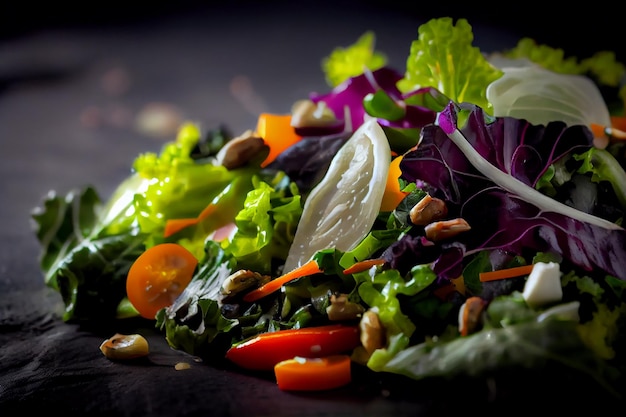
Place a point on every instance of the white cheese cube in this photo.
(543, 285)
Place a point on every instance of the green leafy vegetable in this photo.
(602, 65)
(443, 57)
(604, 167)
(266, 225)
(178, 186)
(86, 251)
(344, 63)
(194, 323)
(552, 59)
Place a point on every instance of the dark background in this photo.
(577, 28)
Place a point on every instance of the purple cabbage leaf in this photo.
(485, 168)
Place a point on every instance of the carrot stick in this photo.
(619, 123)
(176, 225)
(597, 130)
(616, 131)
(363, 266)
(505, 273)
(309, 268)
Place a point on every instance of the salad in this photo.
(458, 217)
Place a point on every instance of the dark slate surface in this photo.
(54, 72)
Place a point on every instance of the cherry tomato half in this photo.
(158, 276)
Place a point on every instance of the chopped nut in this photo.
(470, 315)
(242, 150)
(305, 113)
(242, 280)
(372, 331)
(123, 347)
(181, 366)
(428, 210)
(341, 308)
(445, 229)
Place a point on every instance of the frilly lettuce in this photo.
(443, 57)
(265, 225)
(345, 63)
(178, 187)
(603, 166)
(603, 65)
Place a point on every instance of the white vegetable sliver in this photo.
(515, 186)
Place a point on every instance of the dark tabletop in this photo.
(82, 94)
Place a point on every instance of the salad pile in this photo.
(459, 217)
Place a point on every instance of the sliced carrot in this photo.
(392, 195)
(597, 130)
(363, 266)
(619, 122)
(313, 374)
(277, 132)
(505, 273)
(309, 268)
(176, 225)
(616, 131)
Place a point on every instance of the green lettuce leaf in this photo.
(603, 166)
(344, 63)
(443, 57)
(179, 187)
(603, 65)
(87, 249)
(529, 345)
(266, 224)
(194, 323)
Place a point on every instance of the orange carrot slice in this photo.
(505, 273)
(363, 266)
(176, 225)
(616, 131)
(309, 268)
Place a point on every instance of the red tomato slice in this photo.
(158, 276)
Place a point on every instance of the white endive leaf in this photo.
(540, 96)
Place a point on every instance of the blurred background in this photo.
(577, 28)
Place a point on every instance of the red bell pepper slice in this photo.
(264, 351)
(313, 374)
